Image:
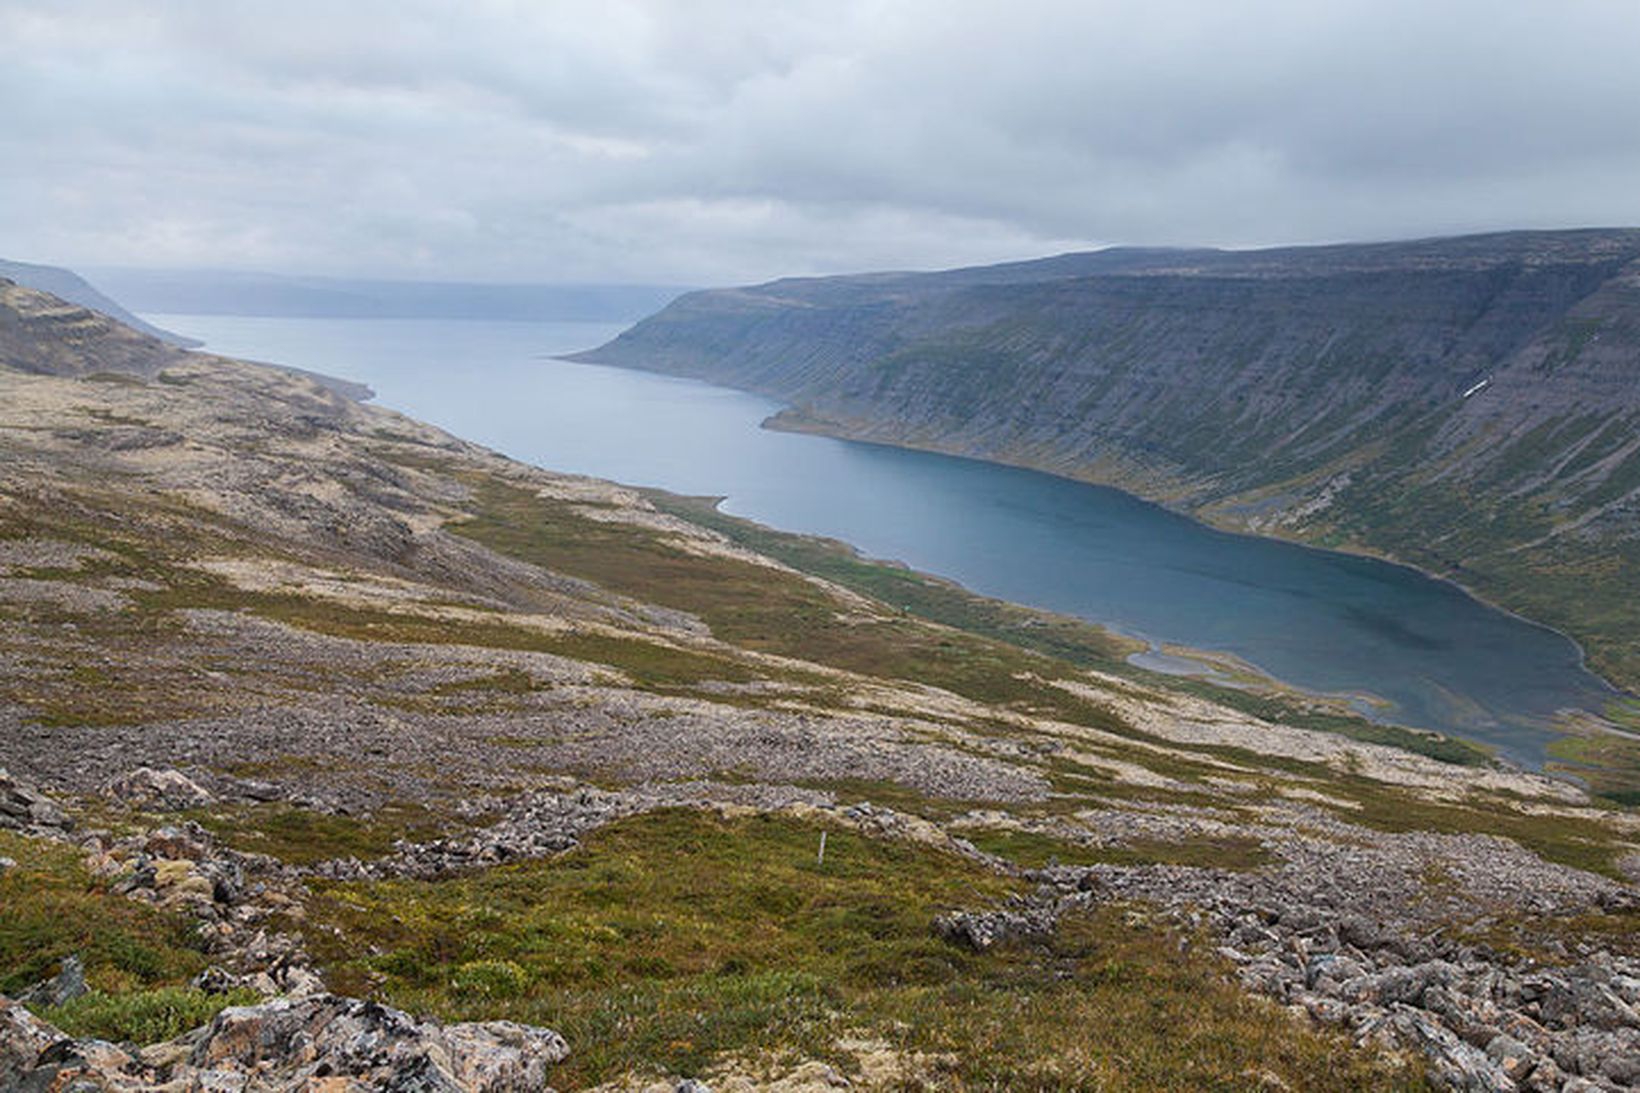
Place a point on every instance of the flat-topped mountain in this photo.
(1469, 405)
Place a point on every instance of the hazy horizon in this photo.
(643, 142)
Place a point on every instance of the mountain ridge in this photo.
(47, 335)
(1468, 405)
(224, 292)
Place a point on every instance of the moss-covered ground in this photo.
(669, 940)
(138, 959)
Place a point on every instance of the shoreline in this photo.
(1254, 680)
(781, 422)
(1271, 684)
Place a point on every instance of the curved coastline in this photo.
(804, 424)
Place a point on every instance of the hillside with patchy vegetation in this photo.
(337, 748)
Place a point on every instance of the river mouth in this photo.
(1409, 649)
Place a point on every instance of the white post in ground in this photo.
(821, 859)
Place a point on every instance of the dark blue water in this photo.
(1322, 621)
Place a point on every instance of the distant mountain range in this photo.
(208, 292)
(70, 286)
(1469, 405)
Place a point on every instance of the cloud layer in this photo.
(719, 140)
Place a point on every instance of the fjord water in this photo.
(1323, 621)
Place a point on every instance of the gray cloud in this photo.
(721, 140)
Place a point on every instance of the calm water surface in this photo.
(1326, 622)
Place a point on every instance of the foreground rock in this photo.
(67, 985)
(145, 787)
(320, 1042)
(24, 808)
(1484, 1020)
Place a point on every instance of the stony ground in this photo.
(261, 644)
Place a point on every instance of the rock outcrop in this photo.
(145, 787)
(322, 1041)
(24, 808)
(1485, 1020)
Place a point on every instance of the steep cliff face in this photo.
(1469, 405)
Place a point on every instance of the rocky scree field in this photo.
(340, 750)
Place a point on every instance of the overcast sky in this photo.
(717, 141)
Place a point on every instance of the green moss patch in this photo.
(1608, 763)
(669, 939)
(143, 1016)
(300, 836)
(52, 908)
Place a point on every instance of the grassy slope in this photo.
(670, 940)
(138, 959)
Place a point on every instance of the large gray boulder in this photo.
(24, 808)
(165, 789)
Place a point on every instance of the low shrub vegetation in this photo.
(138, 960)
(142, 1016)
(670, 939)
(51, 908)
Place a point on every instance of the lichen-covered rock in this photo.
(23, 1037)
(503, 1055)
(24, 808)
(167, 789)
(320, 1042)
(375, 1047)
(67, 984)
(1454, 1063)
(981, 930)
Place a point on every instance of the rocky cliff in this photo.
(1467, 405)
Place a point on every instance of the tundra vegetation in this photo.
(298, 694)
